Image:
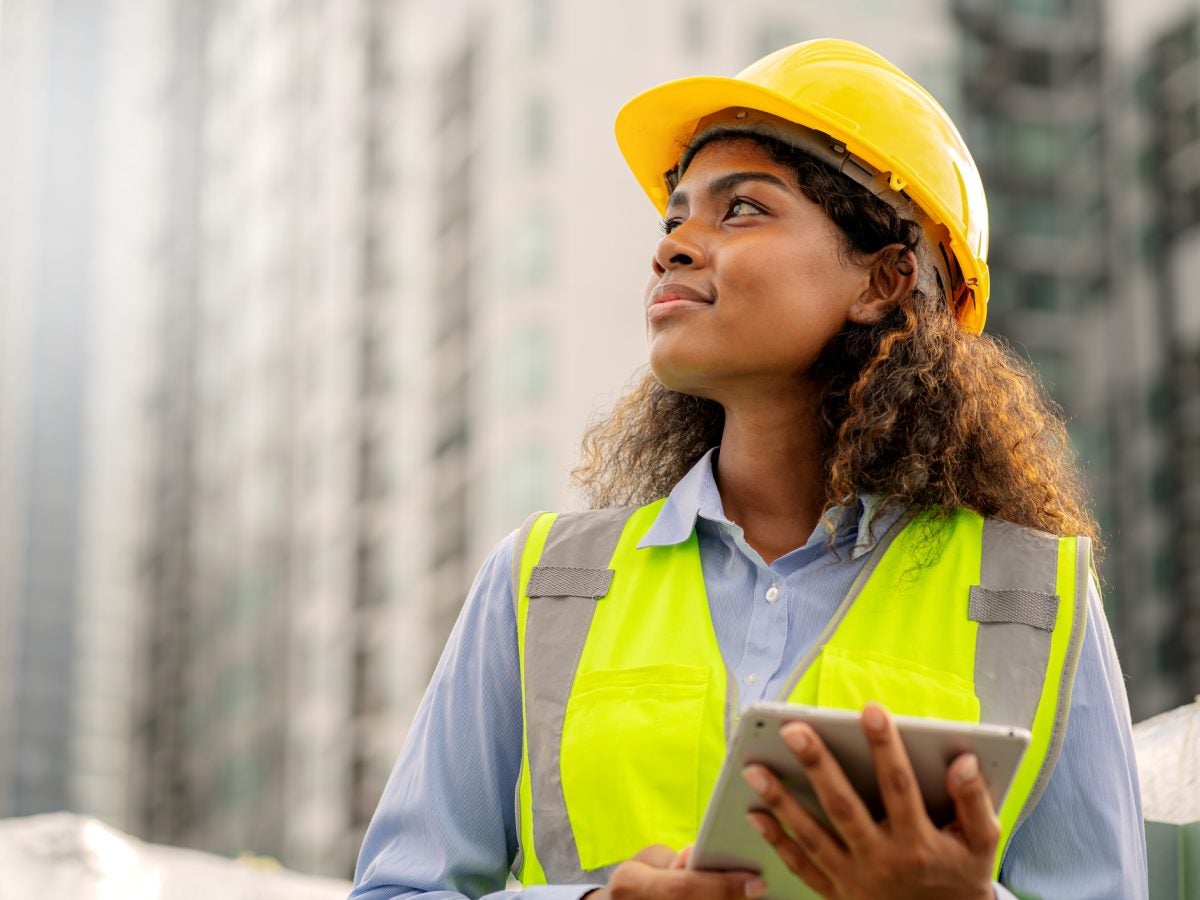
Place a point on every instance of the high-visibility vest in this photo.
(628, 704)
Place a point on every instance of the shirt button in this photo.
(751, 678)
(772, 594)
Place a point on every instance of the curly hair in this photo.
(914, 410)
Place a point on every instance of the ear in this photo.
(892, 276)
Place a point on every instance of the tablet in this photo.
(726, 840)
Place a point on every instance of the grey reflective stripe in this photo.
(556, 628)
(1010, 655)
(519, 543)
(1026, 607)
(1083, 569)
(568, 581)
(518, 552)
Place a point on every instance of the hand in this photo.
(658, 872)
(904, 856)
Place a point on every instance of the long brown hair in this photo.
(915, 411)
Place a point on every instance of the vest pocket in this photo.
(848, 680)
(631, 758)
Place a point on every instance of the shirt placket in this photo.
(766, 636)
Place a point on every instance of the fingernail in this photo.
(755, 778)
(755, 888)
(757, 824)
(874, 717)
(968, 768)
(795, 737)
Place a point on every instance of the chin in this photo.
(683, 379)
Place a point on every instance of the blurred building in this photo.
(74, 230)
(1080, 114)
(303, 311)
(1035, 104)
(1170, 240)
(272, 369)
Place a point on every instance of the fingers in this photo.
(637, 880)
(681, 858)
(893, 770)
(791, 853)
(841, 803)
(817, 844)
(977, 819)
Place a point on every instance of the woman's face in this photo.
(749, 283)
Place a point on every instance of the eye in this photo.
(669, 225)
(740, 206)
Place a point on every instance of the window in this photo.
(1037, 148)
(1042, 9)
(1038, 216)
(1158, 404)
(526, 367)
(1162, 487)
(535, 134)
(523, 485)
(1035, 66)
(694, 30)
(1051, 365)
(1039, 292)
(529, 249)
(1164, 572)
(539, 24)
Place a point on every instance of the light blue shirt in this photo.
(445, 826)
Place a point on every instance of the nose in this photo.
(678, 249)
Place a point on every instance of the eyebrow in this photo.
(726, 183)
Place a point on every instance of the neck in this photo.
(770, 475)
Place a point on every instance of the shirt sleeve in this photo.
(445, 827)
(1085, 837)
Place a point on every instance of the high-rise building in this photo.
(1169, 79)
(1034, 100)
(274, 263)
(74, 233)
(161, 794)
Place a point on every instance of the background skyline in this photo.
(297, 320)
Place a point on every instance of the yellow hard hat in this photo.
(853, 108)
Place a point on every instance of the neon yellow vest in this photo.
(628, 704)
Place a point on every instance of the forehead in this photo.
(720, 162)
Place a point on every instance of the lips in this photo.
(673, 297)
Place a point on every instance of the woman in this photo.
(867, 506)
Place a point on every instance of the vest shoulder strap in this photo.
(1023, 671)
(574, 559)
(1017, 592)
(568, 576)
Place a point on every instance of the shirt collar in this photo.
(696, 496)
